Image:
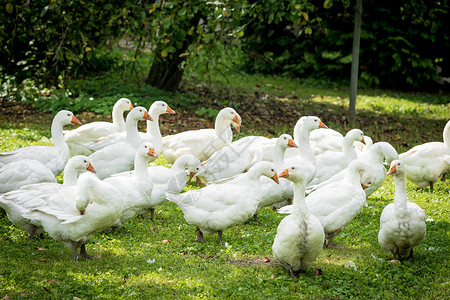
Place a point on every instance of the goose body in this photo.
(18, 203)
(222, 205)
(72, 214)
(331, 162)
(374, 171)
(325, 140)
(135, 190)
(119, 157)
(204, 142)
(300, 236)
(402, 223)
(53, 157)
(427, 162)
(78, 139)
(337, 203)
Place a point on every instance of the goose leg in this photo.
(443, 177)
(83, 252)
(411, 255)
(431, 186)
(292, 273)
(255, 218)
(33, 231)
(199, 236)
(219, 235)
(152, 213)
(331, 245)
(74, 250)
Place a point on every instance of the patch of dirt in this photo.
(255, 262)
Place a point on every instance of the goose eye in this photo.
(85, 161)
(293, 168)
(197, 169)
(68, 115)
(370, 182)
(272, 170)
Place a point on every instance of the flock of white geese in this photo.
(108, 180)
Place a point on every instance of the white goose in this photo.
(427, 162)
(170, 180)
(324, 140)
(18, 203)
(219, 206)
(337, 203)
(53, 157)
(375, 157)
(135, 190)
(119, 157)
(402, 223)
(153, 134)
(300, 235)
(77, 139)
(304, 155)
(331, 162)
(72, 214)
(204, 142)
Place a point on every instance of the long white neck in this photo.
(446, 134)
(117, 117)
(132, 131)
(153, 129)
(223, 130)
(278, 157)
(353, 174)
(141, 165)
(304, 146)
(400, 200)
(299, 207)
(70, 174)
(348, 149)
(58, 137)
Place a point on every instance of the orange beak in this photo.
(363, 141)
(392, 170)
(191, 175)
(284, 174)
(91, 168)
(275, 178)
(291, 143)
(322, 125)
(364, 186)
(147, 117)
(151, 152)
(236, 120)
(131, 107)
(75, 121)
(169, 110)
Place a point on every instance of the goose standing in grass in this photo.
(153, 134)
(300, 235)
(331, 162)
(402, 223)
(375, 158)
(304, 154)
(53, 157)
(427, 162)
(170, 180)
(18, 203)
(72, 214)
(119, 157)
(135, 190)
(337, 203)
(222, 205)
(204, 142)
(77, 139)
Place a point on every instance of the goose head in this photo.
(81, 163)
(285, 141)
(294, 173)
(397, 167)
(65, 117)
(139, 113)
(309, 123)
(145, 150)
(355, 135)
(232, 116)
(264, 168)
(124, 104)
(193, 166)
(159, 108)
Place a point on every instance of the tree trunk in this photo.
(355, 62)
(166, 74)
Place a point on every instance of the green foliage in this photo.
(402, 45)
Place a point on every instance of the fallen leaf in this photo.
(170, 281)
(53, 280)
(317, 272)
(40, 249)
(6, 297)
(272, 276)
(43, 260)
(266, 259)
(76, 298)
(97, 256)
(165, 241)
(124, 280)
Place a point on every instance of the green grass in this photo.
(184, 268)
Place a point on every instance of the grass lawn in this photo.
(161, 259)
